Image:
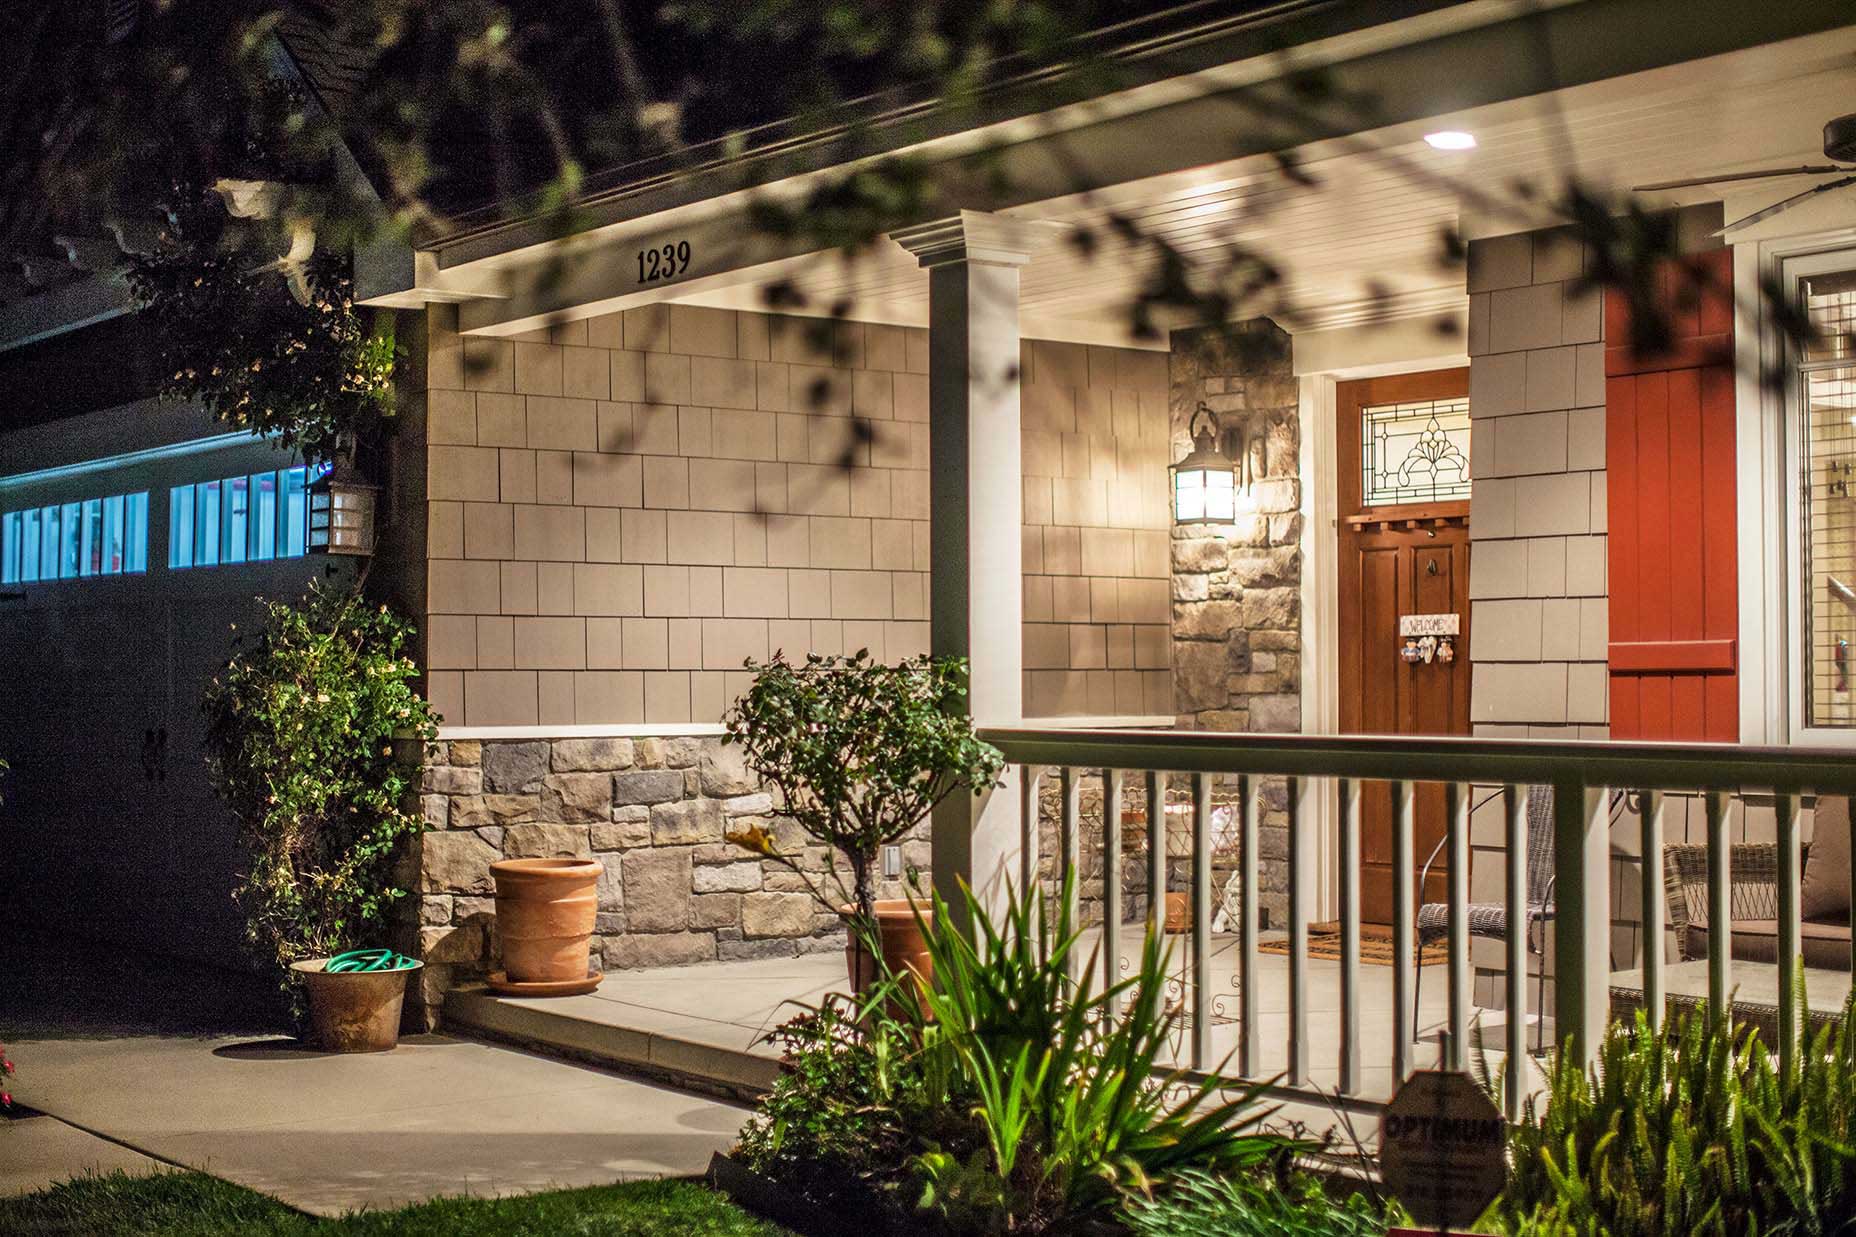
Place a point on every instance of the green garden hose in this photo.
(357, 960)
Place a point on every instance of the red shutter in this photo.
(1669, 452)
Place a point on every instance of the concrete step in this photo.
(698, 1054)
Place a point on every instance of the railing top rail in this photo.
(1642, 766)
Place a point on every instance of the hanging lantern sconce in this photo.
(1205, 483)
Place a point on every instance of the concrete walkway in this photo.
(39, 1151)
(331, 1134)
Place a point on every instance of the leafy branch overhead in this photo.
(860, 751)
(315, 372)
(466, 115)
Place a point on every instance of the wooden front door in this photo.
(1398, 559)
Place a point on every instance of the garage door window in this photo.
(75, 540)
(247, 519)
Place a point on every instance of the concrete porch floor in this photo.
(706, 1024)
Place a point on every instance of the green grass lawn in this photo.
(194, 1205)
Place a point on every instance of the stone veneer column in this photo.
(1237, 599)
(1237, 621)
(976, 508)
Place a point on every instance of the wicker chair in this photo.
(1490, 919)
(1753, 886)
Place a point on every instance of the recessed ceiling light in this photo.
(1451, 139)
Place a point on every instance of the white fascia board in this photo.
(1441, 62)
(535, 286)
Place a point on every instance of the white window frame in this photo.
(1770, 494)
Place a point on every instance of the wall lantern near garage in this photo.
(341, 513)
(1205, 482)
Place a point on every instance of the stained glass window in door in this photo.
(1415, 452)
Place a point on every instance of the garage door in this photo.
(120, 580)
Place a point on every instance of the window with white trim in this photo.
(246, 519)
(1826, 552)
(75, 540)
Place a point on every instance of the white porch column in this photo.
(976, 511)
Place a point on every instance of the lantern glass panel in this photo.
(1189, 495)
(1220, 496)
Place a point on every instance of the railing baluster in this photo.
(1247, 952)
(1298, 936)
(1582, 916)
(1785, 810)
(1650, 816)
(1201, 920)
(1349, 936)
(1456, 835)
(1070, 855)
(1156, 852)
(1028, 778)
(1514, 812)
(1720, 907)
(1111, 878)
(1404, 931)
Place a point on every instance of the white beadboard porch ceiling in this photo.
(1365, 244)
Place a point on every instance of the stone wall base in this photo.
(653, 812)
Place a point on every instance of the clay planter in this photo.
(544, 914)
(902, 945)
(353, 1011)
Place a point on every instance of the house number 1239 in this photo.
(664, 261)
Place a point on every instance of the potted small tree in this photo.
(301, 734)
(860, 753)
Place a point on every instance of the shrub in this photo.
(861, 753)
(300, 734)
(835, 1118)
(1691, 1129)
(1286, 1204)
(1011, 1098)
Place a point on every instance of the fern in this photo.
(1691, 1130)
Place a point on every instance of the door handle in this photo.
(155, 754)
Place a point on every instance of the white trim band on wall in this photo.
(685, 730)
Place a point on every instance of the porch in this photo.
(1332, 1029)
(634, 489)
(705, 1026)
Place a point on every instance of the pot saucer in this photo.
(500, 982)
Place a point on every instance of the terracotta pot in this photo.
(544, 914)
(1178, 914)
(902, 944)
(353, 1011)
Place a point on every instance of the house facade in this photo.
(1464, 503)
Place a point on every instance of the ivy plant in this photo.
(286, 356)
(860, 752)
(301, 731)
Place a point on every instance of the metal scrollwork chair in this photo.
(1491, 920)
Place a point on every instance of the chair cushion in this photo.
(1826, 889)
(1824, 943)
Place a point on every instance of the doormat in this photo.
(1375, 945)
